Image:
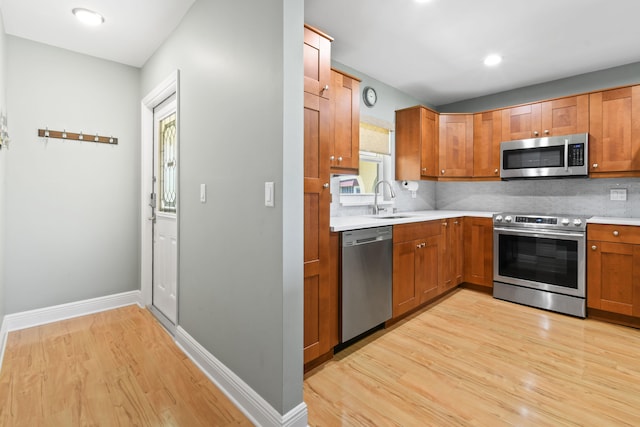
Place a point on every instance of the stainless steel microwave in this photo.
(549, 157)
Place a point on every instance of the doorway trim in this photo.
(154, 98)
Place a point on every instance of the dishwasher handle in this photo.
(366, 236)
(367, 240)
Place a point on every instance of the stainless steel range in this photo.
(539, 260)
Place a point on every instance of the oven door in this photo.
(552, 261)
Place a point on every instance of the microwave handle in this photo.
(566, 154)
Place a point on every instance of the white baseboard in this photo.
(41, 316)
(3, 339)
(258, 410)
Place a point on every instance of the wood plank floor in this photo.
(115, 368)
(471, 360)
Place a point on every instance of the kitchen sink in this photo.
(393, 216)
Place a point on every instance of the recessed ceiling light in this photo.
(88, 17)
(492, 60)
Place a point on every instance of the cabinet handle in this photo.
(594, 247)
(332, 158)
(325, 185)
(325, 88)
(546, 131)
(616, 233)
(536, 133)
(339, 159)
(595, 166)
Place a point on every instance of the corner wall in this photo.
(71, 206)
(240, 263)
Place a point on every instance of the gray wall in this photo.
(389, 100)
(612, 77)
(3, 165)
(240, 268)
(72, 206)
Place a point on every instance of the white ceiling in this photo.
(434, 50)
(132, 31)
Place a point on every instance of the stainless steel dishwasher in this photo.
(366, 279)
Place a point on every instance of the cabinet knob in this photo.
(595, 166)
(616, 233)
(340, 159)
(444, 224)
(594, 247)
(495, 171)
(536, 133)
(325, 185)
(424, 169)
(442, 171)
(418, 245)
(332, 158)
(456, 222)
(546, 131)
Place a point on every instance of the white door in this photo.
(165, 229)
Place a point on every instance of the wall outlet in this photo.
(618, 194)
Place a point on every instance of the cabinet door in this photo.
(565, 116)
(456, 145)
(613, 277)
(426, 268)
(457, 250)
(345, 103)
(317, 62)
(520, 122)
(487, 135)
(478, 247)
(614, 129)
(317, 296)
(416, 143)
(405, 294)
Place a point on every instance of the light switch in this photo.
(203, 193)
(269, 195)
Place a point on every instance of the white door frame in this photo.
(161, 92)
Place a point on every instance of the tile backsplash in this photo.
(580, 196)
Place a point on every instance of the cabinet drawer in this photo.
(416, 230)
(614, 233)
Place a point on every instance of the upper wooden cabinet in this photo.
(344, 152)
(561, 116)
(614, 130)
(455, 145)
(317, 62)
(487, 135)
(416, 143)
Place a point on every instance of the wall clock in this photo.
(369, 96)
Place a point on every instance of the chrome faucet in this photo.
(376, 209)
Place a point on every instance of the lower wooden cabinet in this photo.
(613, 269)
(478, 251)
(416, 253)
(452, 254)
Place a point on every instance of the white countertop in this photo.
(345, 223)
(613, 221)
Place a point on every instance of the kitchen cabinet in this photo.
(317, 197)
(478, 251)
(614, 130)
(455, 145)
(317, 62)
(487, 135)
(416, 260)
(344, 153)
(613, 269)
(416, 144)
(451, 254)
(562, 116)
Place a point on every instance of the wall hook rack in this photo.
(46, 133)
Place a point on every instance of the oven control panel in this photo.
(540, 221)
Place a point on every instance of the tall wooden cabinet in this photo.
(317, 197)
(614, 122)
(344, 153)
(416, 143)
(613, 268)
(455, 145)
(487, 135)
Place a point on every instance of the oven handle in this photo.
(539, 232)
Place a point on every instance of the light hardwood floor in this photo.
(116, 368)
(471, 360)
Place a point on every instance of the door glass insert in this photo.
(168, 164)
